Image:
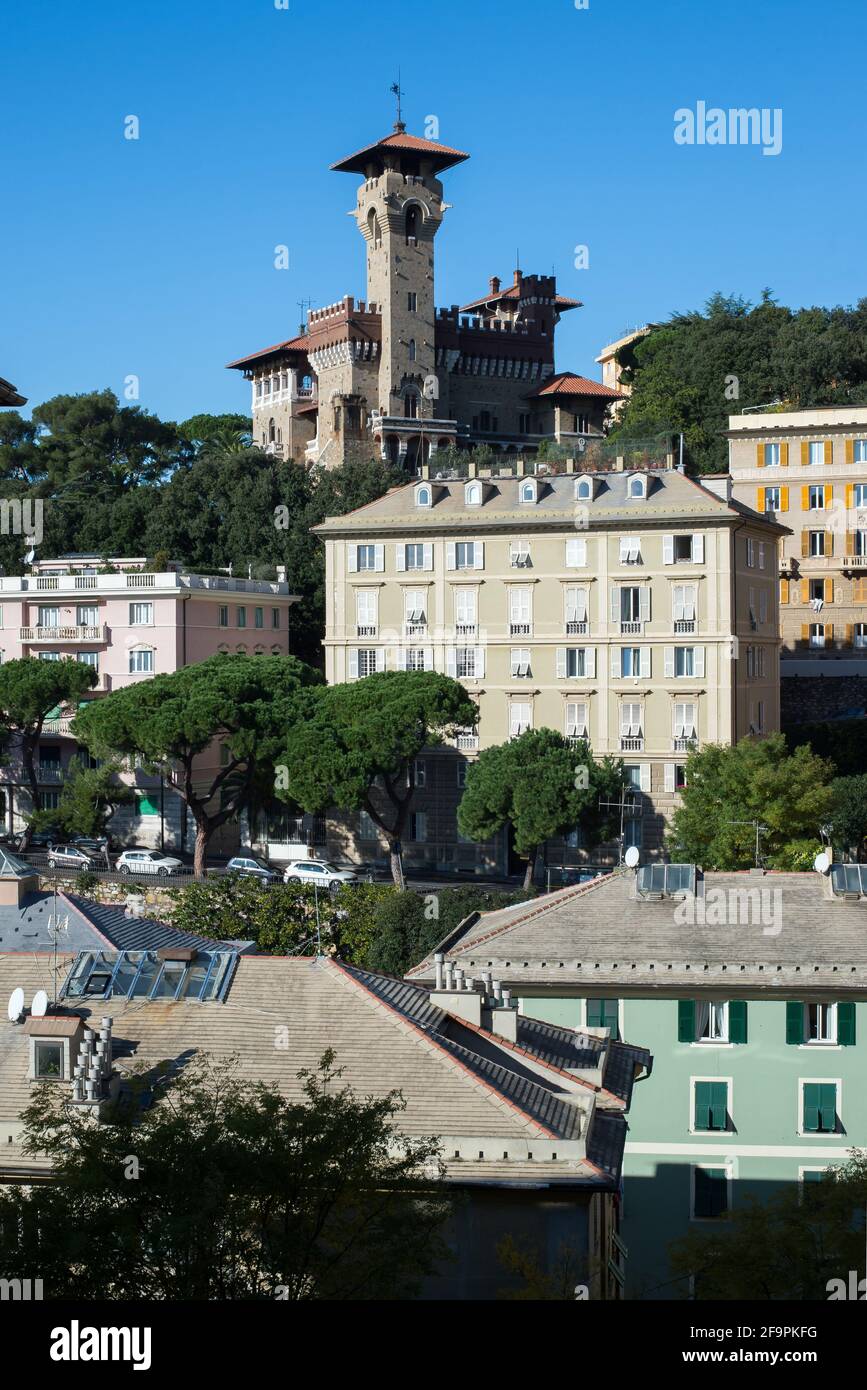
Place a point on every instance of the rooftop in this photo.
(9, 395)
(85, 925)
(773, 421)
(440, 156)
(291, 345)
(568, 384)
(611, 348)
(785, 932)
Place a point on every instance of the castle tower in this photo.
(399, 212)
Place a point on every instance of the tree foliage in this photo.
(89, 797)
(240, 1193)
(758, 779)
(849, 814)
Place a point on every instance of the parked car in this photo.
(147, 861)
(43, 839)
(70, 857)
(251, 868)
(93, 844)
(318, 871)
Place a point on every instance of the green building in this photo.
(749, 990)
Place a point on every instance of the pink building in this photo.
(130, 624)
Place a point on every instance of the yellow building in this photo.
(636, 609)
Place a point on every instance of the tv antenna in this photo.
(628, 804)
(759, 829)
(56, 926)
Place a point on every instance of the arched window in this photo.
(473, 494)
(412, 221)
(583, 489)
(410, 406)
(528, 492)
(423, 496)
(373, 224)
(637, 487)
(412, 349)
(272, 432)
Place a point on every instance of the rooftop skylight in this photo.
(666, 879)
(849, 880)
(149, 975)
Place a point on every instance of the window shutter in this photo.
(561, 663)
(669, 777)
(615, 661)
(794, 1023)
(805, 498)
(846, 1023)
(850, 496)
(828, 1106)
(760, 456)
(805, 633)
(644, 602)
(698, 550)
(668, 550)
(805, 544)
(850, 450)
(379, 556)
(451, 557)
(352, 552)
(451, 662)
(428, 557)
(829, 494)
(811, 1107)
(805, 591)
(400, 558)
(686, 1020)
(829, 632)
(698, 659)
(479, 555)
(719, 1104)
(737, 1021)
(428, 659)
(645, 663)
(805, 453)
(668, 669)
(480, 663)
(760, 499)
(576, 552)
(615, 605)
(784, 455)
(353, 665)
(829, 591)
(784, 591)
(594, 1013)
(829, 451)
(590, 660)
(829, 542)
(644, 777)
(850, 634)
(784, 499)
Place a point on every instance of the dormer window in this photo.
(47, 1060)
(423, 496)
(584, 490)
(637, 487)
(473, 494)
(528, 492)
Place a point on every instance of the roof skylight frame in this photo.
(215, 981)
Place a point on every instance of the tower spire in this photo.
(399, 125)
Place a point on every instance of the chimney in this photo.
(504, 1022)
(720, 485)
(495, 284)
(440, 973)
(519, 278)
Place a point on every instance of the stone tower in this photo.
(399, 211)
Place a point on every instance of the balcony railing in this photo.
(630, 743)
(577, 628)
(62, 634)
(684, 625)
(631, 628)
(365, 631)
(415, 630)
(465, 629)
(576, 738)
(684, 744)
(467, 742)
(520, 629)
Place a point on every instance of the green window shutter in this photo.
(711, 1105)
(846, 1023)
(711, 1192)
(719, 1104)
(146, 807)
(737, 1021)
(594, 1013)
(827, 1108)
(686, 1020)
(794, 1023)
(604, 1013)
(811, 1108)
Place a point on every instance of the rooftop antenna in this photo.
(303, 305)
(56, 926)
(760, 830)
(15, 1007)
(399, 125)
(627, 804)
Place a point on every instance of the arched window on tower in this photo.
(272, 432)
(412, 226)
(375, 232)
(410, 405)
(412, 352)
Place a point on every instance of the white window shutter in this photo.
(428, 659)
(428, 557)
(480, 662)
(576, 552)
(624, 549)
(669, 662)
(400, 558)
(698, 550)
(615, 661)
(698, 659)
(561, 663)
(668, 550)
(353, 558)
(590, 660)
(451, 662)
(451, 557)
(615, 605)
(645, 777)
(645, 663)
(669, 777)
(479, 555)
(380, 558)
(402, 658)
(644, 601)
(353, 665)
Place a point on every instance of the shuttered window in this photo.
(711, 1105)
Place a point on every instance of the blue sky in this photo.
(155, 257)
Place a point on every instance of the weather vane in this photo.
(396, 89)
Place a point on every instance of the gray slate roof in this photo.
(91, 926)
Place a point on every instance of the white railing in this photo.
(683, 745)
(630, 744)
(466, 629)
(520, 629)
(631, 629)
(57, 726)
(62, 634)
(127, 580)
(365, 632)
(576, 628)
(684, 625)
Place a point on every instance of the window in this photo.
(141, 661)
(519, 554)
(48, 1061)
(224, 616)
(576, 552)
(630, 725)
(684, 661)
(418, 826)
(772, 499)
(88, 659)
(859, 494)
(683, 607)
(465, 612)
(412, 350)
(461, 775)
(817, 635)
(603, 1013)
(520, 718)
(362, 662)
(821, 1023)
(413, 659)
(710, 1191)
(772, 455)
(819, 1107)
(711, 1021)
(528, 492)
(859, 450)
(366, 612)
(576, 721)
(473, 494)
(630, 550)
(710, 1106)
(418, 773)
(816, 451)
(520, 612)
(816, 499)
(423, 495)
(684, 723)
(465, 555)
(584, 490)
(412, 301)
(275, 619)
(47, 616)
(414, 557)
(412, 226)
(365, 557)
(751, 552)
(682, 548)
(366, 826)
(575, 601)
(630, 661)
(242, 617)
(48, 656)
(816, 543)
(575, 663)
(520, 663)
(258, 617)
(467, 663)
(524, 424)
(637, 487)
(859, 635)
(140, 615)
(87, 614)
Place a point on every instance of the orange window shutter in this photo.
(805, 632)
(850, 543)
(829, 494)
(829, 591)
(829, 451)
(805, 499)
(805, 591)
(850, 493)
(784, 591)
(805, 453)
(829, 542)
(850, 634)
(784, 455)
(784, 499)
(805, 544)
(760, 456)
(760, 499)
(829, 632)
(850, 450)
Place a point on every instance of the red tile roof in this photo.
(291, 345)
(443, 155)
(514, 292)
(567, 384)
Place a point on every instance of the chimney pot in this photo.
(495, 284)
(438, 962)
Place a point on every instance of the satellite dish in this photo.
(39, 1007)
(822, 863)
(631, 857)
(16, 1005)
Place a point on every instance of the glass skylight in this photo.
(666, 878)
(144, 975)
(849, 878)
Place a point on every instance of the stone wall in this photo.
(808, 699)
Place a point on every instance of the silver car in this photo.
(318, 871)
(147, 861)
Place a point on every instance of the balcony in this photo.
(365, 631)
(855, 562)
(415, 630)
(573, 739)
(630, 743)
(684, 744)
(466, 629)
(62, 634)
(520, 629)
(631, 628)
(577, 628)
(685, 625)
(467, 743)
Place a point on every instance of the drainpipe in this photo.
(734, 603)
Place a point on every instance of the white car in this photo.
(147, 861)
(318, 871)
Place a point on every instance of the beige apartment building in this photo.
(808, 470)
(636, 609)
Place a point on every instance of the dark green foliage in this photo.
(848, 816)
(842, 741)
(29, 691)
(680, 372)
(89, 797)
